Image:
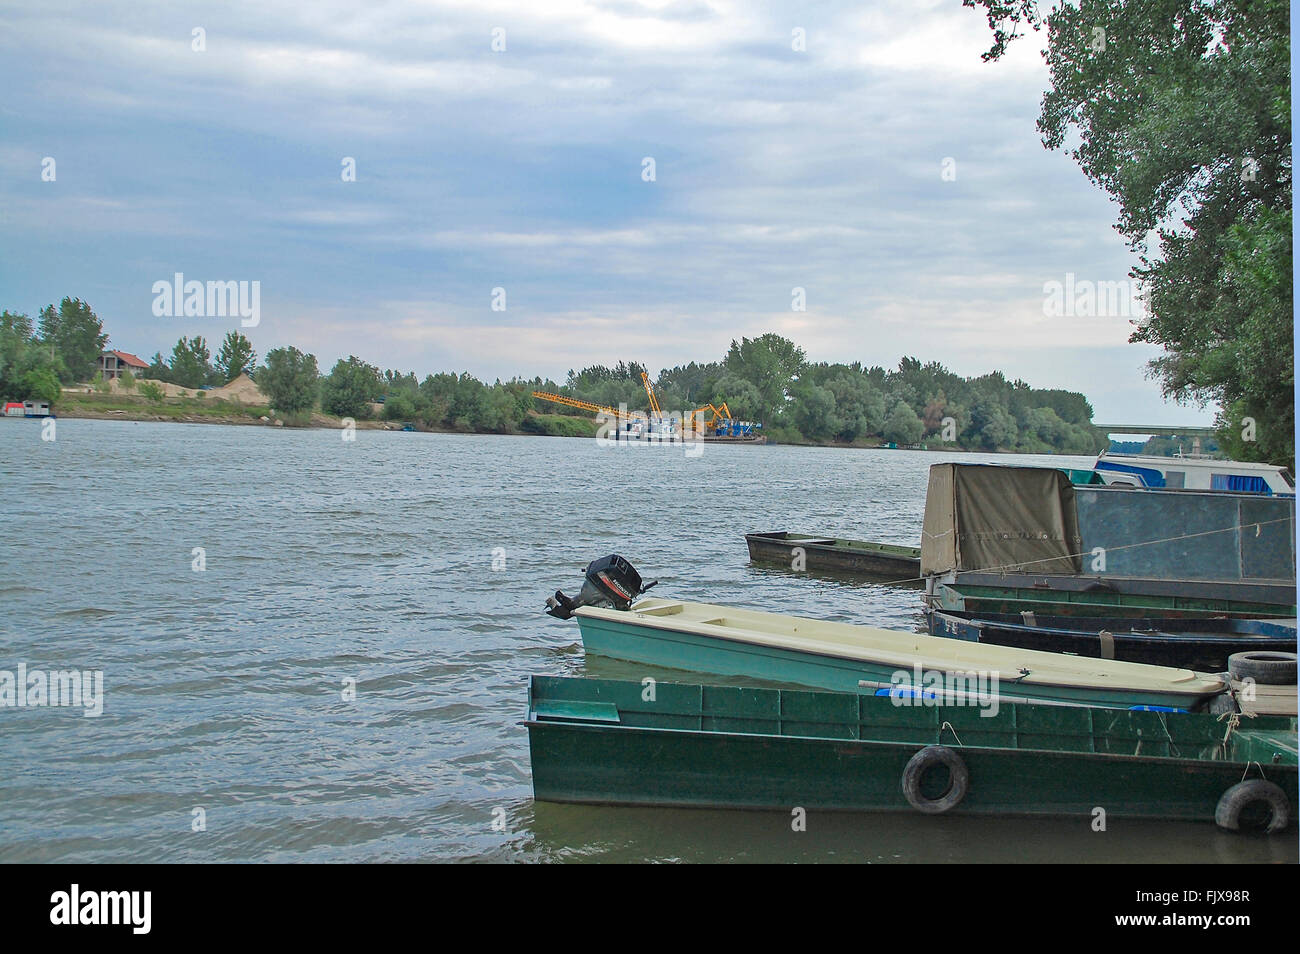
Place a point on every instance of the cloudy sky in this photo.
(774, 169)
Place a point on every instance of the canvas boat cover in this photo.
(985, 517)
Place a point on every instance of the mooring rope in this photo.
(948, 726)
(1247, 770)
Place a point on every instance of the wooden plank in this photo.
(1269, 700)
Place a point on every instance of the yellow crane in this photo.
(716, 414)
(574, 402)
(655, 412)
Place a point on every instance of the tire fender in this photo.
(933, 756)
(1266, 667)
(1227, 814)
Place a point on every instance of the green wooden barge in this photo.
(666, 744)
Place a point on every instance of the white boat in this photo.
(1193, 473)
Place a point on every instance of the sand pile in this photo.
(242, 390)
(171, 390)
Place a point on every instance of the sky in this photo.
(882, 168)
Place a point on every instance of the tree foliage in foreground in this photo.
(1180, 111)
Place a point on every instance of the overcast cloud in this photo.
(522, 169)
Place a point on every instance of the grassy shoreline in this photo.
(120, 406)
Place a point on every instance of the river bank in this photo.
(194, 410)
(120, 406)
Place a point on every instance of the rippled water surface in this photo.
(373, 561)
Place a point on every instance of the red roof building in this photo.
(112, 363)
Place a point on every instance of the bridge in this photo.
(1162, 430)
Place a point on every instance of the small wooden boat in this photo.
(615, 742)
(1201, 644)
(702, 637)
(833, 554)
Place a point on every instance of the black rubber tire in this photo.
(928, 758)
(1266, 667)
(1227, 814)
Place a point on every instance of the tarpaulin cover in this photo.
(982, 517)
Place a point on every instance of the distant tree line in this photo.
(191, 364)
(767, 379)
(61, 347)
(1165, 446)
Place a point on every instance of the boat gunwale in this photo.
(1138, 635)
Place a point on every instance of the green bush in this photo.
(42, 384)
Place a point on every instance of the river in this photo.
(230, 581)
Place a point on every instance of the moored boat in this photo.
(813, 554)
(704, 637)
(1200, 644)
(1193, 473)
(1010, 539)
(982, 593)
(614, 742)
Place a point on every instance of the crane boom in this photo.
(574, 402)
(650, 393)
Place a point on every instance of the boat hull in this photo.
(724, 747)
(619, 635)
(1199, 644)
(982, 594)
(829, 554)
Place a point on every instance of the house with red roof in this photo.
(111, 364)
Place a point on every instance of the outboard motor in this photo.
(611, 581)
